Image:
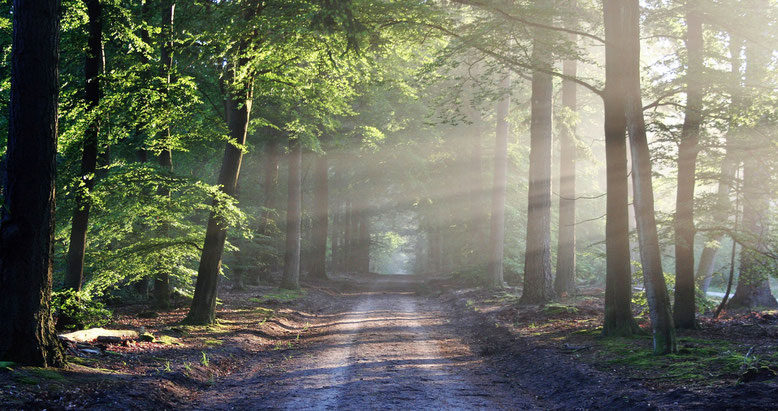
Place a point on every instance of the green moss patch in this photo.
(279, 296)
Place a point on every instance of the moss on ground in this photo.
(280, 296)
(696, 359)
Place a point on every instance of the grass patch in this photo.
(213, 343)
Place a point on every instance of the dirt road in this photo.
(387, 349)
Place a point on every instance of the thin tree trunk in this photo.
(753, 286)
(729, 167)
(497, 222)
(684, 308)
(27, 225)
(74, 274)
(162, 277)
(347, 234)
(320, 219)
(651, 260)
(270, 182)
(203, 309)
(564, 283)
(538, 277)
(291, 279)
(364, 240)
(618, 281)
(478, 212)
(732, 255)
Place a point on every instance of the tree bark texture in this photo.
(653, 277)
(27, 225)
(538, 277)
(618, 281)
(564, 282)
(203, 309)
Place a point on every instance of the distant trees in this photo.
(27, 225)
(497, 222)
(564, 281)
(291, 278)
(320, 218)
(753, 286)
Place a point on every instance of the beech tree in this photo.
(651, 261)
(538, 277)
(618, 285)
(684, 307)
(93, 68)
(564, 282)
(27, 225)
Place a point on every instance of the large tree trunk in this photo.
(564, 283)
(27, 225)
(238, 104)
(538, 278)
(162, 277)
(729, 167)
(291, 278)
(651, 259)
(618, 281)
(497, 222)
(74, 274)
(684, 309)
(320, 219)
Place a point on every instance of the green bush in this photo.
(76, 310)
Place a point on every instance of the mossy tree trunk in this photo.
(27, 225)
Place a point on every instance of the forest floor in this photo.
(398, 342)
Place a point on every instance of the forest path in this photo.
(387, 349)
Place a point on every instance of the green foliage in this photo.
(77, 310)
